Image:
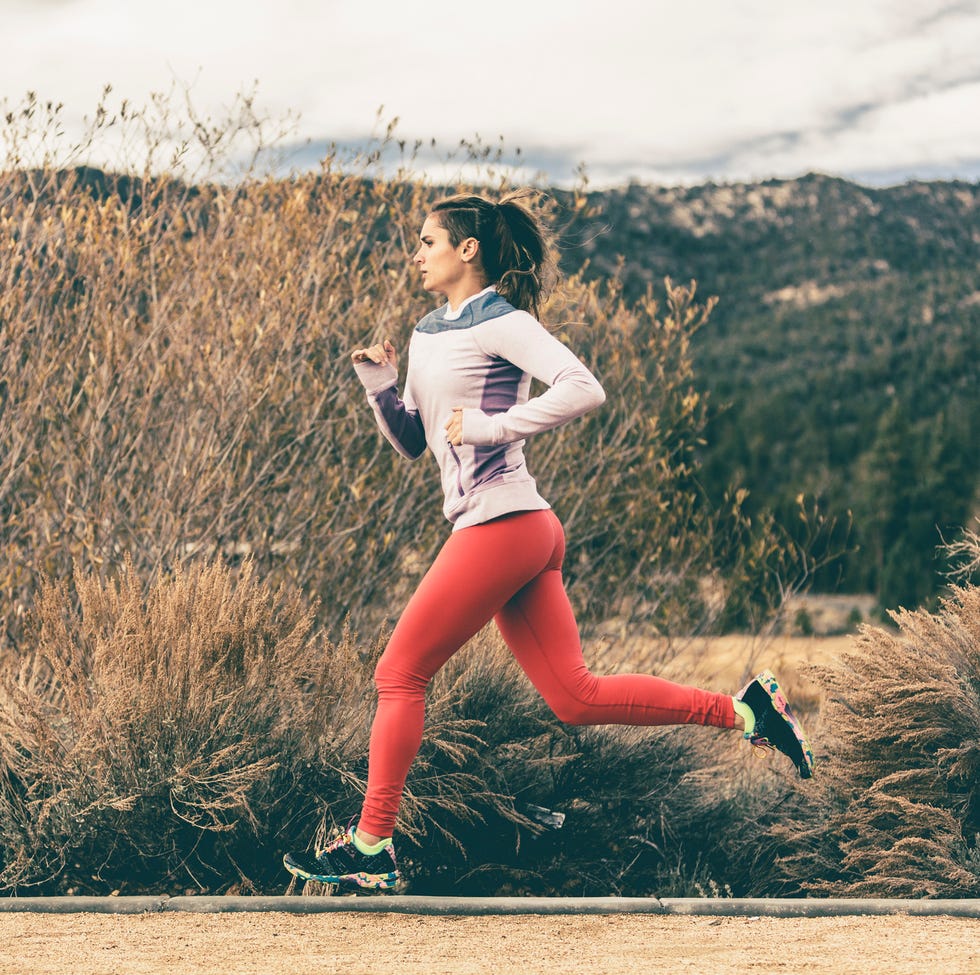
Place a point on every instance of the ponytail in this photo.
(515, 247)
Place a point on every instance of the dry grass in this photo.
(897, 804)
(180, 738)
(167, 722)
(183, 737)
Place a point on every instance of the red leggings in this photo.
(508, 570)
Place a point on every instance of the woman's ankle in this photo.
(368, 839)
(369, 844)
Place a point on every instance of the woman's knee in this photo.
(570, 710)
(391, 676)
(572, 698)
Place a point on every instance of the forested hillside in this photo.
(843, 358)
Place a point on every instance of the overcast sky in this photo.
(874, 90)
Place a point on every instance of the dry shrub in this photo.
(181, 738)
(159, 738)
(175, 380)
(895, 808)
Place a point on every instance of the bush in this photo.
(895, 806)
(157, 737)
(176, 381)
(181, 739)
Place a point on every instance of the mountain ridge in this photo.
(848, 320)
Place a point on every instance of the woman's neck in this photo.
(459, 297)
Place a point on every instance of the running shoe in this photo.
(342, 863)
(776, 726)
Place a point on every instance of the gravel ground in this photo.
(359, 944)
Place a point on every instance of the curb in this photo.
(474, 906)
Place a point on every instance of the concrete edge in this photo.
(81, 905)
(817, 907)
(408, 904)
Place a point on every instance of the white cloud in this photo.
(722, 89)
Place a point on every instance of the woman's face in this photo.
(443, 266)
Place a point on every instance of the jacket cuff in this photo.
(376, 377)
(479, 429)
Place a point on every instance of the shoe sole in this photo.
(363, 881)
(767, 681)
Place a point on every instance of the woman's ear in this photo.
(469, 249)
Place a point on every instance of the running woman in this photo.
(470, 365)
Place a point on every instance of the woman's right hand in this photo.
(383, 354)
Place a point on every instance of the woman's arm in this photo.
(377, 368)
(572, 389)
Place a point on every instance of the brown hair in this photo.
(515, 247)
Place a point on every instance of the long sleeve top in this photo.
(481, 357)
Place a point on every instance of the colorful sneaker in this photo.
(775, 725)
(341, 862)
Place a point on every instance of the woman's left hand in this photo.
(454, 427)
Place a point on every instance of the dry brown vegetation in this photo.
(159, 722)
(178, 738)
(199, 516)
(174, 381)
(896, 809)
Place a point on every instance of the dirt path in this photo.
(358, 944)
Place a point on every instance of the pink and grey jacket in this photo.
(481, 357)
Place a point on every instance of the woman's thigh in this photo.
(477, 571)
